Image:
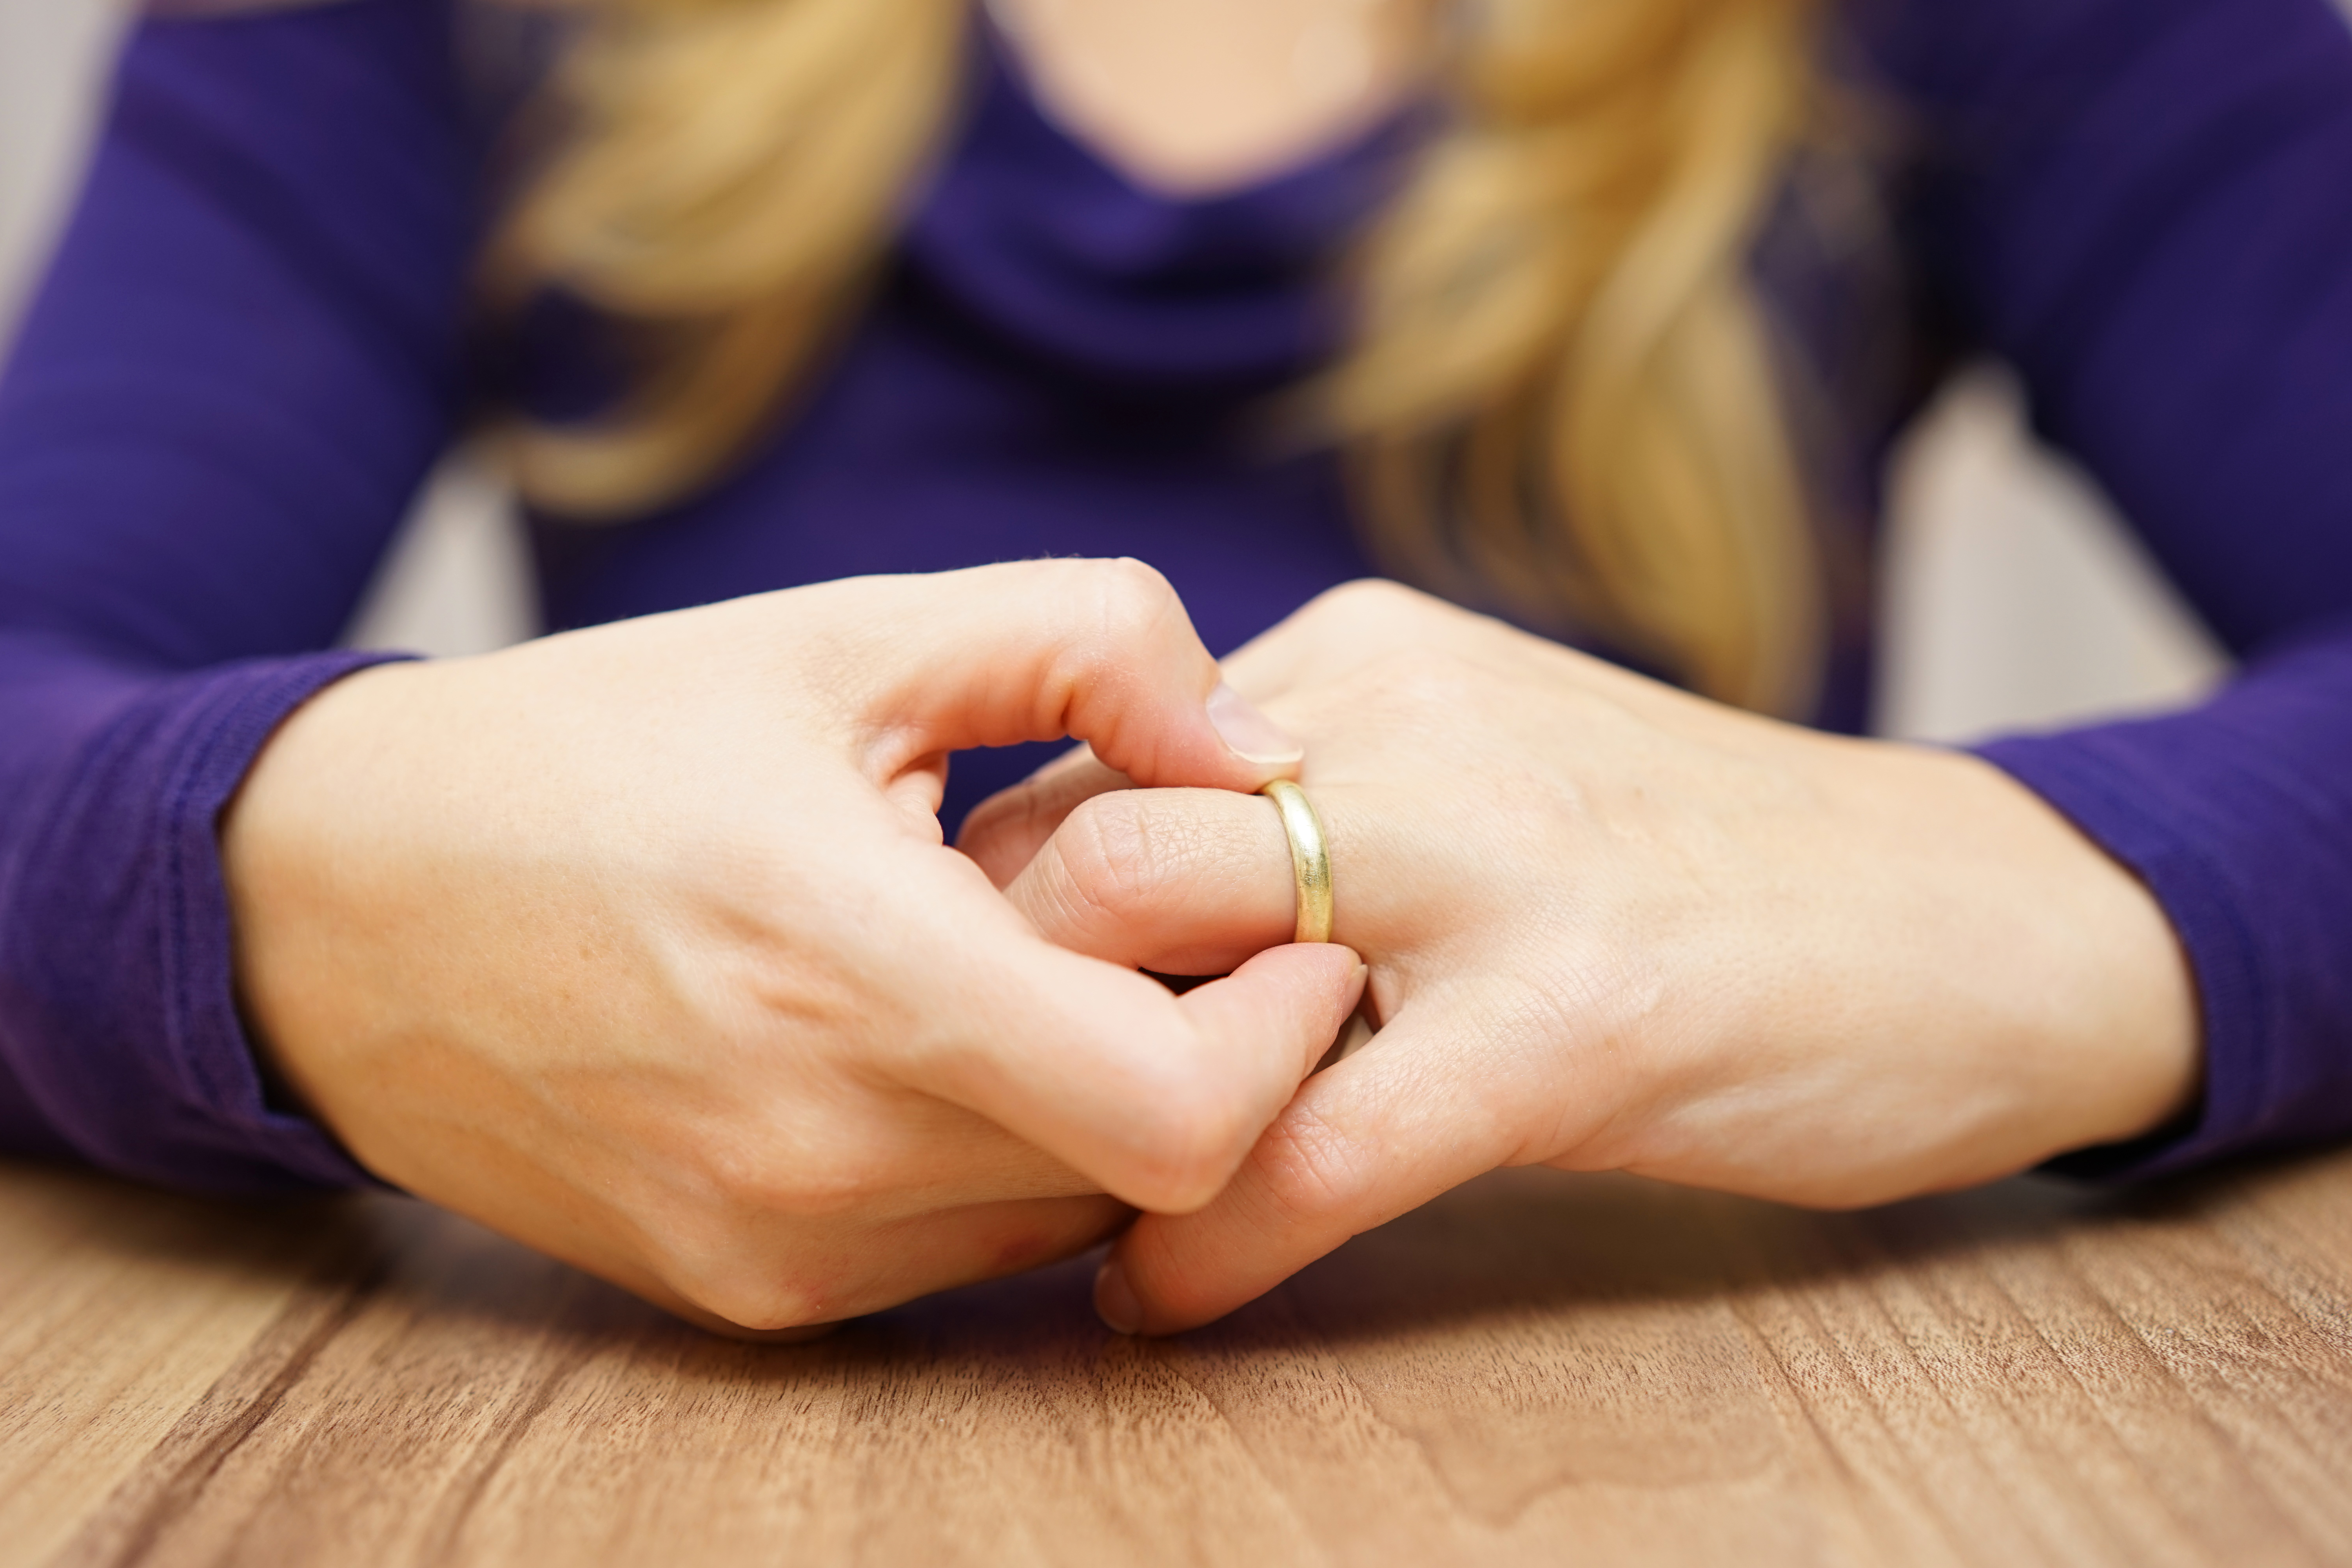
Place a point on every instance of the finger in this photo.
(1342, 630)
(1339, 631)
(1101, 650)
(790, 1285)
(948, 1248)
(919, 789)
(1004, 831)
(1157, 1098)
(1364, 1141)
(1183, 881)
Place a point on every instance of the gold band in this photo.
(1310, 862)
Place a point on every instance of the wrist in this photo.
(2115, 1046)
(283, 853)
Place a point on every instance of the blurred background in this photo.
(2013, 597)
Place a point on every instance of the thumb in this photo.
(1102, 651)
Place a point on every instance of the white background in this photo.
(2013, 597)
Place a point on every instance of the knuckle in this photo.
(1365, 603)
(1307, 1168)
(1365, 594)
(741, 1274)
(1110, 856)
(740, 1249)
(1196, 1135)
(1124, 618)
(757, 1302)
(1130, 598)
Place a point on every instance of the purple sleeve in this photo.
(2145, 206)
(2239, 817)
(245, 357)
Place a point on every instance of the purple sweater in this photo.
(254, 344)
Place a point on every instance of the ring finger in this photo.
(1182, 881)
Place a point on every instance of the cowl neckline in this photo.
(1045, 244)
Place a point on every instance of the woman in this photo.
(639, 942)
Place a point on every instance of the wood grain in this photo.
(1537, 1369)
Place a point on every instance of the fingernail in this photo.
(1115, 1301)
(1253, 737)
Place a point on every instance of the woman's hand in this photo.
(640, 944)
(1611, 926)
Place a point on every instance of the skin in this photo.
(640, 944)
(1609, 926)
(646, 951)
(1190, 96)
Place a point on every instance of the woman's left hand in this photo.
(1611, 926)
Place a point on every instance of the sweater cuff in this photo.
(2099, 799)
(116, 964)
(2238, 818)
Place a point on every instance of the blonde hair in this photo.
(726, 175)
(1562, 393)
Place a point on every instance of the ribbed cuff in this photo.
(116, 963)
(2102, 802)
(2238, 816)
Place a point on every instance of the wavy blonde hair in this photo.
(1561, 392)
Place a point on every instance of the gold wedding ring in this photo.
(1310, 861)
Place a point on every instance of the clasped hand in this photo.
(641, 944)
(1610, 925)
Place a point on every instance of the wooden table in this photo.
(1539, 1369)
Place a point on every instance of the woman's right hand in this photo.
(641, 945)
